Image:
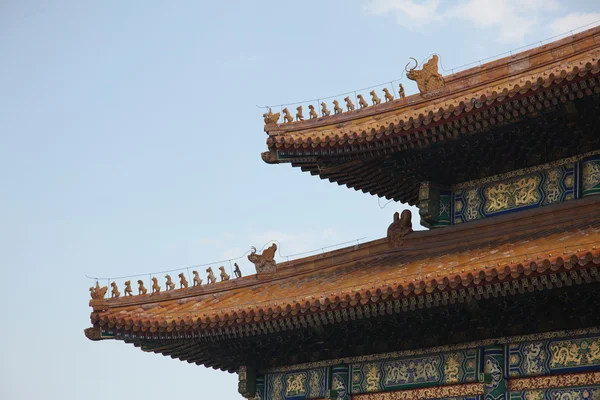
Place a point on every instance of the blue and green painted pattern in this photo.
(554, 185)
(409, 373)
(591, 176)
(299, 385)
(340, 381)
(553, 357)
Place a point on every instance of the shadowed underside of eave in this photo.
(552, 128)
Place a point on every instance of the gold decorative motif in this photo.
(534, 395)
(141, 288)
(271, 118)
(473, 202)
(210, 277)
(469, 389)
(554, 381)
(569, 353)
(428, 78)
(410, 371)
(591, 175)
(324, 111)
(169, 285)
(197, 279)
(388, 95)
(295, 385)
(299, 116)
(314, 384)
(512, 194)
(452, 368)
(336, 107)
(277, 387)
(114, 292)
(98, 292)
(287, 117)
(552, 186)
(373, 375)
(524, 171)
(312, 113)
(265, 262)
(128, 291)
(183, 283)
(349, 104)
(361, 101)
(375, 98)
(224, 275)
(401, 227)
(535, 358)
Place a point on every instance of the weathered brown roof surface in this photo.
(532, 243)
(481, 87)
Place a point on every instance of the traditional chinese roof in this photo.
(510, 255)
(443, 135)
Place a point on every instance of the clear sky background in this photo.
(130, 143)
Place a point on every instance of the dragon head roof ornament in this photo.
(265, 262)
(428, 78)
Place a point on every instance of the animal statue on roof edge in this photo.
(155, 285)
(197, 279)
(169, 283)
(128, 291)
(287, 117)
(265, 262)
(375, 98)
(114, 292)
(428, 78)
(183, 283)
(141, 288)
(211, 276)
(361, 101)
(401, 227)
(236, 270)
(271, 118)
(98, 292)
(224, 276)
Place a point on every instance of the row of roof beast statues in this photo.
(99, 292)
(273, 118)
(264, 263)
(427, 78)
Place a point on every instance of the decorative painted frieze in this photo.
(340, 381)
(299, 385)
(493, 370)
(395, 374)
(553, 185)
(584, 393)
(553, 356)
(591, 176)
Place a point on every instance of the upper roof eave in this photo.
(493, 81)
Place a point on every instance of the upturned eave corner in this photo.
(94, 334)
(270, 157)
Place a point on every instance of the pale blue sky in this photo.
(130, 142)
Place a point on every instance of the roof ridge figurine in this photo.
(265, 262)
(401, 227)
(428, 78)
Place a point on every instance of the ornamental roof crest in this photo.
(428, 78)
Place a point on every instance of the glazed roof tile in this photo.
(528, 243)
(483, 86)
